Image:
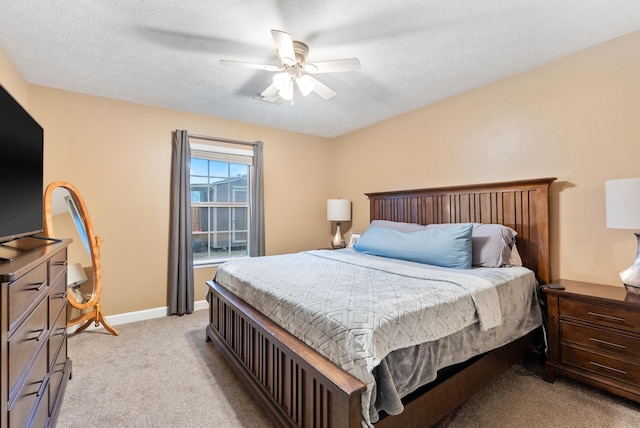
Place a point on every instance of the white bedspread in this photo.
(356, 309)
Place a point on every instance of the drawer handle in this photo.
(604, 342)
(61, 263)
(60, 295)
(37, 286)
(609, 317)
(40, 390)
(59, 368)
(608, 368)
(61, 331)
(43, 332)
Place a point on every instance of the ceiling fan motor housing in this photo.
(302, 52)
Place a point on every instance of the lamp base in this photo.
(338, 240)
(631, 276)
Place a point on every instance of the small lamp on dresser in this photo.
(338, 210)
(623, 212)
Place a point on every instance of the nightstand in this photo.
(594, 336)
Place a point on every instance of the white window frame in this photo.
(230, 155)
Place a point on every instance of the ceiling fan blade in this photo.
(271, 91)
(323, 90)
(284, 46)
(249, 65)
(334, 66)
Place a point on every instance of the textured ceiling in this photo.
(166, 53)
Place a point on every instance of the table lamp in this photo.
(338, 210)
(75, 275)
(623, 212)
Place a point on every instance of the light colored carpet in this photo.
(157, 373)
(521, 398)
(162, 373)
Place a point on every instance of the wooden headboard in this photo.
(522, 205)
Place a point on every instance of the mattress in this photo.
(376, 317)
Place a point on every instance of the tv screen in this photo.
(21, 163)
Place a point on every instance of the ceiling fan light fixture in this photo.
(286, 92)
(282, 80)
(305, 84)
(294, 67)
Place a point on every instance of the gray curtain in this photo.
(256, 238)
(181, 289)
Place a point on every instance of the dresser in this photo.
(594, 336)
(35, 365)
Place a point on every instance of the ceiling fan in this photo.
(296, 70)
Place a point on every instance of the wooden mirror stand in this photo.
(64, 207)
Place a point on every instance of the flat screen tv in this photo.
(21, 163)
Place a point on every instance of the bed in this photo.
(298, 386)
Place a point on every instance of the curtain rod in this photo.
(222, 140)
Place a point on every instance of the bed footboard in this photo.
(294, 383)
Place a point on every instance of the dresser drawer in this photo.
(24, 343)
(601, 364)
(56, 374)
(618, 344)
(40, 416)
(58, 333)
(57, 298)
(616, 317)
(33, 392)
(26, 290)
(58, 265)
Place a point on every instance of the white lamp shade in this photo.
(305, 84)
(287, 92)
(623, 203)
(75, 275)
(338, 210)
(284, 83)
(281, 80)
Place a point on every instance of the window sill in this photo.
(215, 263)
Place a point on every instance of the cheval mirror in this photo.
(66, 216)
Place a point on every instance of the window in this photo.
(220, 203)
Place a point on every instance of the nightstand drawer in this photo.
(616, 317)
(600, 364)
(619, 344)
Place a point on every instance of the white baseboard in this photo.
(145, 314)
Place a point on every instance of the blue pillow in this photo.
(446, 246)
(491, 243)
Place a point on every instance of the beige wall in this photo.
(118, 155)
(577, 119)
(12, 81)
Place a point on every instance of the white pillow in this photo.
(515, 259)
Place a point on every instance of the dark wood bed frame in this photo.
(298, 387)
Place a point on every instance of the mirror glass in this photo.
(66, 216)
(66, 222)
